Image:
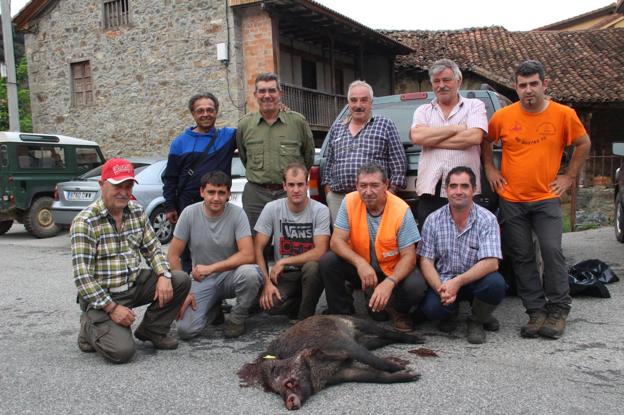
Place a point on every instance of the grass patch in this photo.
(566, 221)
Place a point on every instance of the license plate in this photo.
(74, 196)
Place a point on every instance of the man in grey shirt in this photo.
(222, 253)
(300, 229)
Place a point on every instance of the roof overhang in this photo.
(32, 10)
(312, 22)
(582, 18)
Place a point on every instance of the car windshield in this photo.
(238, 170)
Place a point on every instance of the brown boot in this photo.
(83, 342)
(160, 341)
(401, 321)
(535, 323)
(231, 329)
(555, 323)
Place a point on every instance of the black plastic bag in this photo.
(589, 278)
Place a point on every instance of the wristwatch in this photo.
(166, 274)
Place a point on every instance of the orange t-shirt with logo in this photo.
(532, 148)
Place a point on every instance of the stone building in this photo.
(120, 72)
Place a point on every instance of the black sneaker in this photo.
(378, 316)
(448, 324)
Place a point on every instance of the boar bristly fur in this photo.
(323, 350)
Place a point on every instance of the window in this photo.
(87, 158)
(308, 74)
(339, 82)
(40, 157)
(82, 87)
(115, 13)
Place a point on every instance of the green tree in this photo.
(23, 99)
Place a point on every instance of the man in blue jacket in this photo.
(198, 150)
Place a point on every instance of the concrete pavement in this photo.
(44, 372)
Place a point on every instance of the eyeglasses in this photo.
(263, 91)
(202, 111)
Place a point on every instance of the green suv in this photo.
(30, 166)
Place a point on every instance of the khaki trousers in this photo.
(114, 341)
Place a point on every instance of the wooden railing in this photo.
(602, 165)
(320, 108)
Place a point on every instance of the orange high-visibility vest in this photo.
(386, 244)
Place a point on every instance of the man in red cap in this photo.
(108, 239)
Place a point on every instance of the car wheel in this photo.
(38, 219)
(162, 227)
(5, 225)
(619, 217)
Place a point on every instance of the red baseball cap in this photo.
(116, 171)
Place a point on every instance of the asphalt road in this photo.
(44, 372)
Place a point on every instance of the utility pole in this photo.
(9, 60)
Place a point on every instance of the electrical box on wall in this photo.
(222, 52)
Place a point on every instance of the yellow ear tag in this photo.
(269, 357)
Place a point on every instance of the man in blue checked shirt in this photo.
(459, 253)
(362, 138)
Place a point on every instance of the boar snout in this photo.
(292, 402)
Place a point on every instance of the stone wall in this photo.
(594, 207)
(143, 74)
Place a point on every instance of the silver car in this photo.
(72, 197)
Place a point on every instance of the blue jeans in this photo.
(490, 289)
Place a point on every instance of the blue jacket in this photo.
(180, 189)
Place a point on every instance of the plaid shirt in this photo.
(378, 142)
(456, 252)
(104, 258)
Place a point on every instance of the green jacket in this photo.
(266, 149)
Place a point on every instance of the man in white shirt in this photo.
(450, 130)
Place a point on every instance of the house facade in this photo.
(120, 72)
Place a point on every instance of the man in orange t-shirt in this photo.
(534, 133)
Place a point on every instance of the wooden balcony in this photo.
(319, 108)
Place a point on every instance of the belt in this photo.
(120, 289)
(270, 186)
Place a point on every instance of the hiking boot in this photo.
(555, 323)
(401, 321)
(83, 343)
(160, 341)
(535, 323)
(481, 312)
(448, 324)
(231, 329)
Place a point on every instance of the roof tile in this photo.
(583, 66)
